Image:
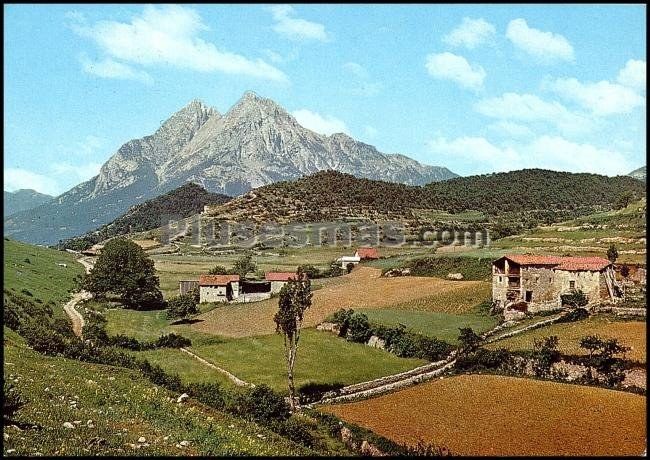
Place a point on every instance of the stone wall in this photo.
(213, 294)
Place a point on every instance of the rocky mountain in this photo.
(255, 143)
(22, 200)
(638, 173)
(185, 201)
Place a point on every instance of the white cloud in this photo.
(545, 46)
(322, 124)
(633, 75)
(18, 178)
(449, 66)
(510, 129)
(90, 144)
(471, 33)
(296, 28)
(168, 35)
(602, 98)
(530, 108)
(108, 68)
(547, 152)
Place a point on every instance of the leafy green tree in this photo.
(124, 269)
(625, 271)
(218, 270)
(244, 265)
(295, 299)
(181, 307)
(575, 299)
(545, 354)
(602, 358)
(612, 253)
(359, 329)
(624, 199)
(468, 340)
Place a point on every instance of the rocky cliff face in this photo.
(255, 143)
(638, 173)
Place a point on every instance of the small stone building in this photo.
(218, 288)
(185, 286)
(534, 282)
(278, 280)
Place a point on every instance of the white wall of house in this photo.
(212, 294)
(276, 286)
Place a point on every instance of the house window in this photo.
(529, 296)
(572, 284)
(500, 279)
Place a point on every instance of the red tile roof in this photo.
(280, 276)
(561, 263)
(368, 253)
(217, 280)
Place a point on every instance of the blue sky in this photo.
(476, 88)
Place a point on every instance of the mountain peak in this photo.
(253, 105)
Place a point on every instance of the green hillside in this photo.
(186, 200)
(549, 195)
(122, 406)
(33, 271)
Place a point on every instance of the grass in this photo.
(363, 288)
(322, 358)
(506, 416)
(123, 406)
(256, 359)
(35, 269)
(443, 326)
(629, 333)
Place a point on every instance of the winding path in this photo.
(69, 308)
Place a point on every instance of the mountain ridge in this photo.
(23, 200)
(255, 143)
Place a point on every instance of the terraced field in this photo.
(629, 333)
(363, 288)
(505, 416)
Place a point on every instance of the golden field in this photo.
(505, 416)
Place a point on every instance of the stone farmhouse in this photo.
(532, 283)
(359, 255)
(278, 280)
(230, 288)
(218, 288)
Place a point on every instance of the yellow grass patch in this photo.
(147, 244)
(496, 415)
(629, 333)
(363, 288)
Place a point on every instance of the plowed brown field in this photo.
(496, 415)
(364, 287)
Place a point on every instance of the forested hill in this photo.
(335, 195)
(186, 200)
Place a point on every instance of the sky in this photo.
(475, 88)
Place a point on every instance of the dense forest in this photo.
(542, 191)
(186, 200)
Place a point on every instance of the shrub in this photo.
(545, 354)
(158, 376)
(574, 299)
(181, 306)
(468, 340)
(432, 349)
(483, 359)
(342, 319)
(311, 392)
(311, 271)
(208, 393)
(42, 339)
(218, 270)
(261, 404)
(359, 329)
(297, 429)
(12, 401)
(123, 341)
(172, 341)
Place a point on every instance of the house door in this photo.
(529, 296)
